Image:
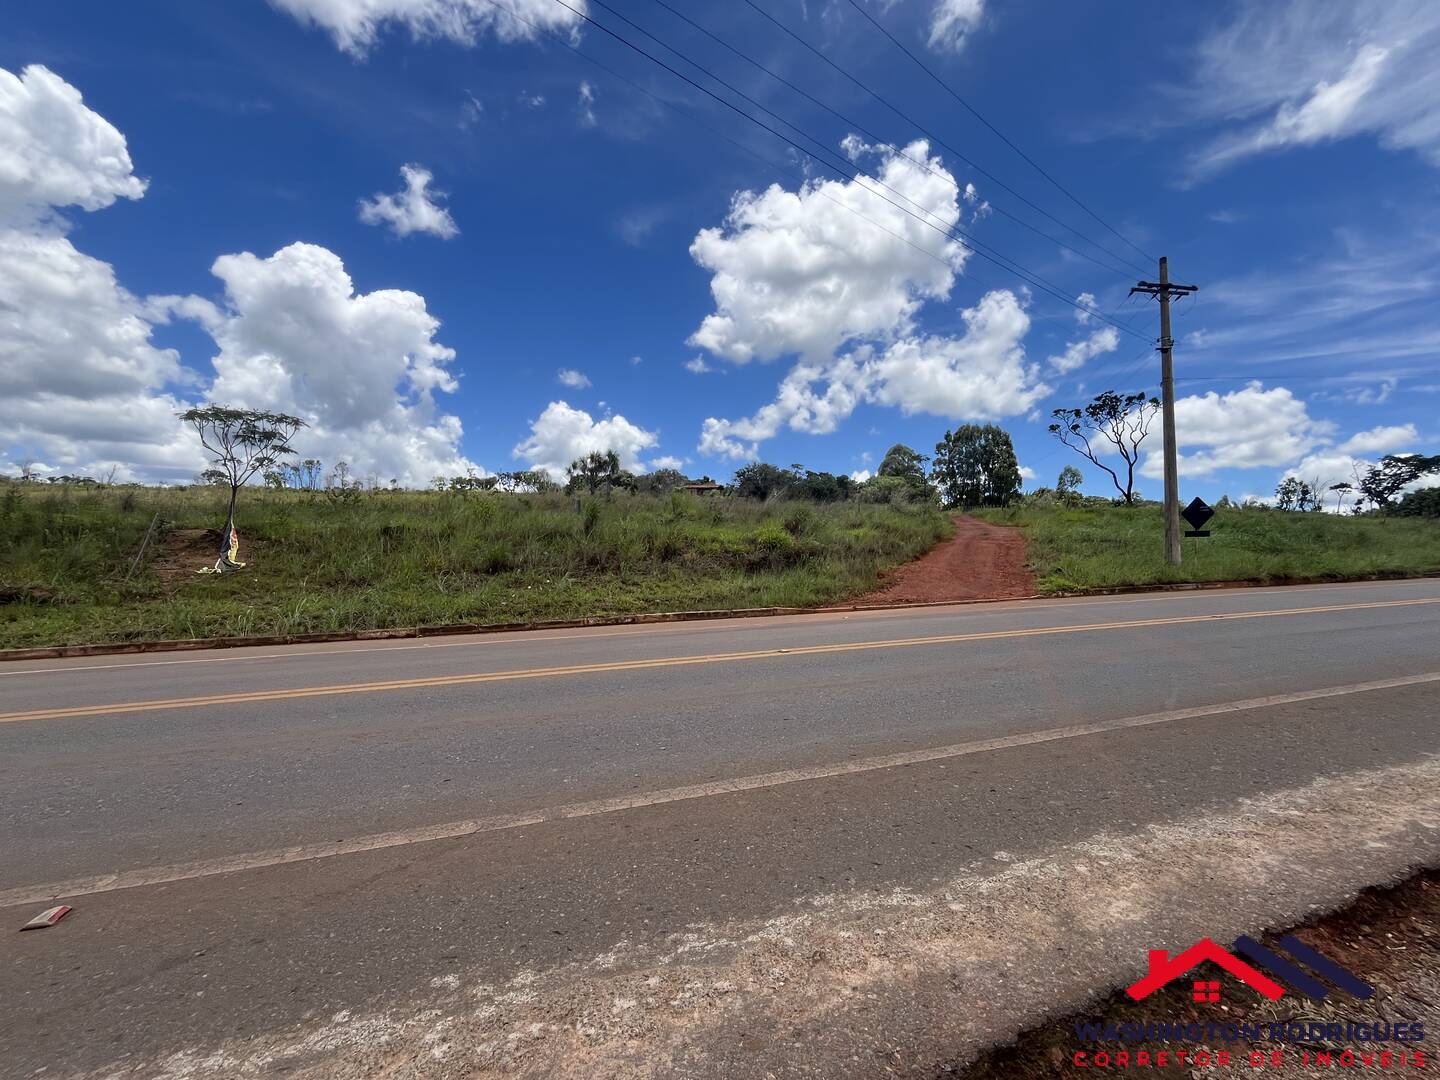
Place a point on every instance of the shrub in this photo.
(1422, 503)
(799, 520)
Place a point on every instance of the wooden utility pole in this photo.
(1163, 290)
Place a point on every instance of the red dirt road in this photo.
(981, 562)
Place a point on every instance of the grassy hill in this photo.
(1107, 546)
(319, 562)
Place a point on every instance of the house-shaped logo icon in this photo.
(1164, 969)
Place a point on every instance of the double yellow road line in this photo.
(667, 661)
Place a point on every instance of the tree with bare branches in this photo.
(1123, 421)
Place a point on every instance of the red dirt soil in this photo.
(981, 562)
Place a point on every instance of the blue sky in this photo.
(449, 241)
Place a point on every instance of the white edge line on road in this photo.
(380, 646)
(159, 875)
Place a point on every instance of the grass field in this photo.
(390, 559)
(1103, 547)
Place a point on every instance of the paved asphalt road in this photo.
(831, 845)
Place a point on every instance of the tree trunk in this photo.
(229, 521)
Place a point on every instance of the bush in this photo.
(892, 491)
(1422, 503)
(799, 520)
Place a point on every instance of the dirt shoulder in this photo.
(980, 562)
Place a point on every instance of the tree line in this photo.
(973, 465)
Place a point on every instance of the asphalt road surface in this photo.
(833, 845)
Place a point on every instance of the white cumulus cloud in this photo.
(361, 368)
(55, 151)
(981, 374)
(84, 386)
(1380, 440)
(355, 24)
(562, 433)
(1242, 429)
(413, 210)
(576, 380)
(802, 272)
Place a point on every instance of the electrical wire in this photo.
(897, 111)
(878, 140)
(778, 169)
(952, 232)
(996, 131)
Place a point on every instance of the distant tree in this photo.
(661, 481)
(274, 478)
(1422, 503)
(1122, 421)
(902, 461)
(975, 465)
(308, 474)
(525, 481)
(1341, 490)
(909, 465)
(1285, 493)
(340, 474)
(471, 482)
(596, 470)
(1067, 486)
(761, 480)
(1395, 472)
(1292, 493)
(242, 443)
(1224, 503)
(822, 487)
(27, 471)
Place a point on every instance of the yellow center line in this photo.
(672, 661)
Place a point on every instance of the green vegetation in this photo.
(1097, 547)
(975, 465)
(343, 559)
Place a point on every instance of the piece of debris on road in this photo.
(48, 917)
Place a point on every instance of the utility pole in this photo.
(1163, 290)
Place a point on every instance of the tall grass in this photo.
(386, 559)
(1102, 547)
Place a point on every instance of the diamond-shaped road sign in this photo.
(1197, 514)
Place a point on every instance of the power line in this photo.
(968, 241)
(694, 118)
(824, 149)
(879, 140)
(936, 139)
(996, 131)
